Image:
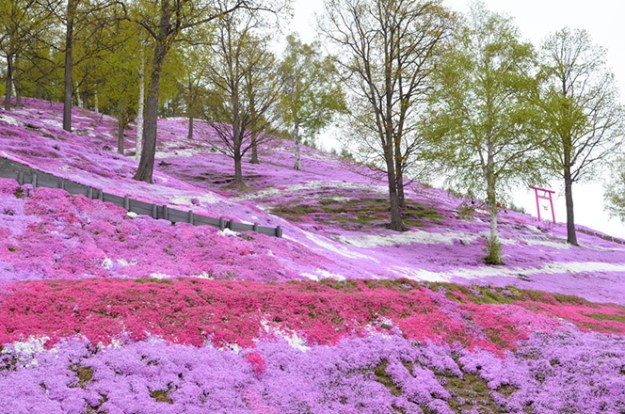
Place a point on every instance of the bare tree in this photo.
(165, 20)
(388, 49)
(583, 120)
(244, 72)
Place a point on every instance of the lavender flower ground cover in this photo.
(573, 372)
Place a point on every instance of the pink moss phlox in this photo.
(192, 311)
(257, 362)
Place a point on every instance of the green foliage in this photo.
(481, 119)
(615, 191)
(312, 95)
(582, 120)
(116, 76)
(482, 122)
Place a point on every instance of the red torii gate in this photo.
(544, 194)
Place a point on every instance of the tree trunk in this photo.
(190, 131)
(298, 157)
(9, 85)
(399, 173)
(96, 107)
(140, 106)
(571, 235)
(494, 247)
(148, 152)
(121, 126)
(396, 220)
(18, 92)
(79, 97)
(388, 140)
(68, 92)
(238, 170)
(254, 159)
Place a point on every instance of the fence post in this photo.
(35, 180)
(255, 227)
(230, 224)
(90, 193)
(278, 231)
(62, 184)
(154, 211)
(101, 195)
(165, 213)
(20, 178)
(126, 203)
(222, 224)
(191, 217)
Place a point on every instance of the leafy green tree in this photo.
(117, 76)
(23, 24)
(387, 50)
(583, 120)
(90, 20)
(311, 95)
(482, 121)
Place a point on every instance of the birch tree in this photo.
(312, 95)
(482, 121)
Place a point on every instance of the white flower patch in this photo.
(376, 329)
(481, 272)
(159, 276)
(107, 263)
(25, 350)
(186, 200)
(311, 185)
(9, 120)
(411, 237)
(126, 263)
(323, 274)
(52, 122)
(418, 274)
(132, 214)
(178, 153)
(228, 233)
(294, 340)
(535, 241)
(341, 250)
(205, 275)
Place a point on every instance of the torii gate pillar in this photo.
(544, 194)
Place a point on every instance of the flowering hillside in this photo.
(105, 312)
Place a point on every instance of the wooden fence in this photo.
(27, 175)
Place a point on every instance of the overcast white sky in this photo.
(604, 19)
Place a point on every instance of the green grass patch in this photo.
(383, 378)
(153, 280)
(162, 396)
(604, 317)
(354, 214)
(471, 390)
